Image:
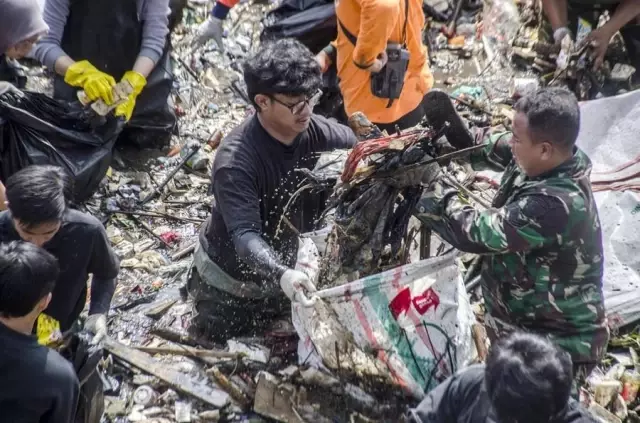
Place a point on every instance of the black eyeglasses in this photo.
(297, 108)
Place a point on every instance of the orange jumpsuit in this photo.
(376, 23)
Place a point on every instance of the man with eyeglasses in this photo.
(244, 266)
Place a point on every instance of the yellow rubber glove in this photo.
(47, 330)
(138, 82)
(96, 84)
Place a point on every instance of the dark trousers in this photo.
(409, 120)
(437, 109)
(218, 315)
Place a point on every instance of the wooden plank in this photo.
(179, 381)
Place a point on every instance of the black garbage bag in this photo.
(35, 129)
(312, 22)
(9, 72)
(85, 358)
(177, 12)
(154, 119)
(288, 8)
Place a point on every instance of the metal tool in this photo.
(450, 29)
(194, 149)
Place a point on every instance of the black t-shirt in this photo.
(38, 385)
(253, 178)
(463, 399)
(82, 248)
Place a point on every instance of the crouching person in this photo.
(38, 213)
(38, 385)
(526, 379)
(244, 267)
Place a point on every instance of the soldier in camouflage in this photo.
(540, 242)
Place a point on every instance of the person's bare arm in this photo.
(556, 12)
(48, 50)
(144, 66)
(3, 199)
(62, 64)
(626, 11)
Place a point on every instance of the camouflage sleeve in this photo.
(528, 223)
(496, 153)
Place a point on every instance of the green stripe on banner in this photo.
(419, 367)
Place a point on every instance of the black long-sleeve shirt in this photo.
(82, 248)
(463, 399)
(253, 179)
(38, 385)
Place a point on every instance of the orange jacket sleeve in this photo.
(378, 19)
(228, 3)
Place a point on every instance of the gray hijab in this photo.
(19, 21)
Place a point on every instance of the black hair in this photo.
(27, 274)
(284, 67)
(553, 114)
(38, 194)
(528, 378)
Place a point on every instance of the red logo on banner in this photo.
(401, 303)
(422, 303)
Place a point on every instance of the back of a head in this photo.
(38, 194)
(284, 67)
(528, 378)
(19, 21)
(27, 275)
(553, 115)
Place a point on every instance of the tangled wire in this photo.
(374, 203)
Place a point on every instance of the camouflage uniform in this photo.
(541, 247)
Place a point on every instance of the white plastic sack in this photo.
(609, 135)
(417, 317)
(308, 260)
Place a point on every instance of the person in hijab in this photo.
(21, 25)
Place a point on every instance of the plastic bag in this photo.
(315, 25)
(35, 129)
(85, 359)
(501, 22)
(10, 71)
(417, 317)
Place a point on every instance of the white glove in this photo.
(210, 29)
(294, 283)
(560, 33)
(97, 325)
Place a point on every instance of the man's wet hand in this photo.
(323, 60)
(297, 286)
(599, 39)
(379, 63)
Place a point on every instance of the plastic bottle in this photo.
(199, 160)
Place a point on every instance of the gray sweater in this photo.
(154, 13)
